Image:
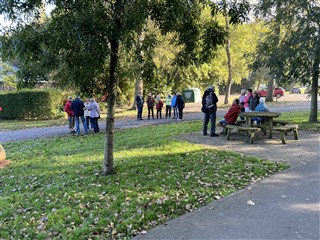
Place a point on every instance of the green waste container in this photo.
(192, 95)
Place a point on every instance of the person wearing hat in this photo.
(209, 108)
(68, 110)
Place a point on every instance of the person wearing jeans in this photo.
(209, 115)
(94, 114)
(77, 107)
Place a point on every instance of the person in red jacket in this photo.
(159, 106)
(232, 114)
(68, 110)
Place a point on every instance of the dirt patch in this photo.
(4, 163)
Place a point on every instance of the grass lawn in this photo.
(301, 118)
(54, 188)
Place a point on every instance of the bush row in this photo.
(31, 104)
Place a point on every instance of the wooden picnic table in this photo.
(268, 119)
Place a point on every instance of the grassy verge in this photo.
(54, 189)
(301, 118)
(16, 124)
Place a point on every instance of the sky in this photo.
(5, 23)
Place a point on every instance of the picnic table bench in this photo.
(250, 131)
(285, 129)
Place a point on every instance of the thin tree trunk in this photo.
(313, 117)
(229, 83)
(269, 97)
(139, 81)
(112, 90)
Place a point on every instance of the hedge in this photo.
(30, 104)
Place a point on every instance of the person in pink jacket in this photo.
(246, 100)
(68, 110)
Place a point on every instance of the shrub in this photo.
(30, 104)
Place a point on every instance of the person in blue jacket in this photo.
(262, 107)
(173, 105)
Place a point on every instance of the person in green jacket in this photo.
(168, 105)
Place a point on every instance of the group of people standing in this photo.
(247, 101)
(173, 102)
(87, 112)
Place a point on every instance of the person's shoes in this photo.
(205, 134)
(148, 118)
(214, 135)
(141, 118)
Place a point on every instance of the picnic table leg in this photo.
(228, 133)
(283, 137)
(271, 127)
(251, 134)
(296, 135)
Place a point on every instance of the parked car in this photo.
(296, 90)
(277, 92)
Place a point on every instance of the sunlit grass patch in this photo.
(54, 187)
(301, 118)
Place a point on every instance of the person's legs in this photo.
(160, 110)
(141, 110)
(223, 122)
(71, 123)
(205, 123)
(98, 129)
(91, 123)
(169, 111)
(180, 113)
(76, 119)
(149, 112)
(87, 121)
(84, 123)
(213, 123)
(95, 125)
(152, 113)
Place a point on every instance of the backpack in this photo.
(212, 107)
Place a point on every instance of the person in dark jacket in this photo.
(139, 102)
(254, 101)
(180, 105)
(209, 115)
(77, 106)
(150, 103)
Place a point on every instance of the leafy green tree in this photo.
(291, 50)
(7, 76)
(85, 36)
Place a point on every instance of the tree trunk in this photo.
(313, 117)
(269, 97)
(112, 90)
(229, 83)
(139, 80)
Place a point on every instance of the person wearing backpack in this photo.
(209, 108)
